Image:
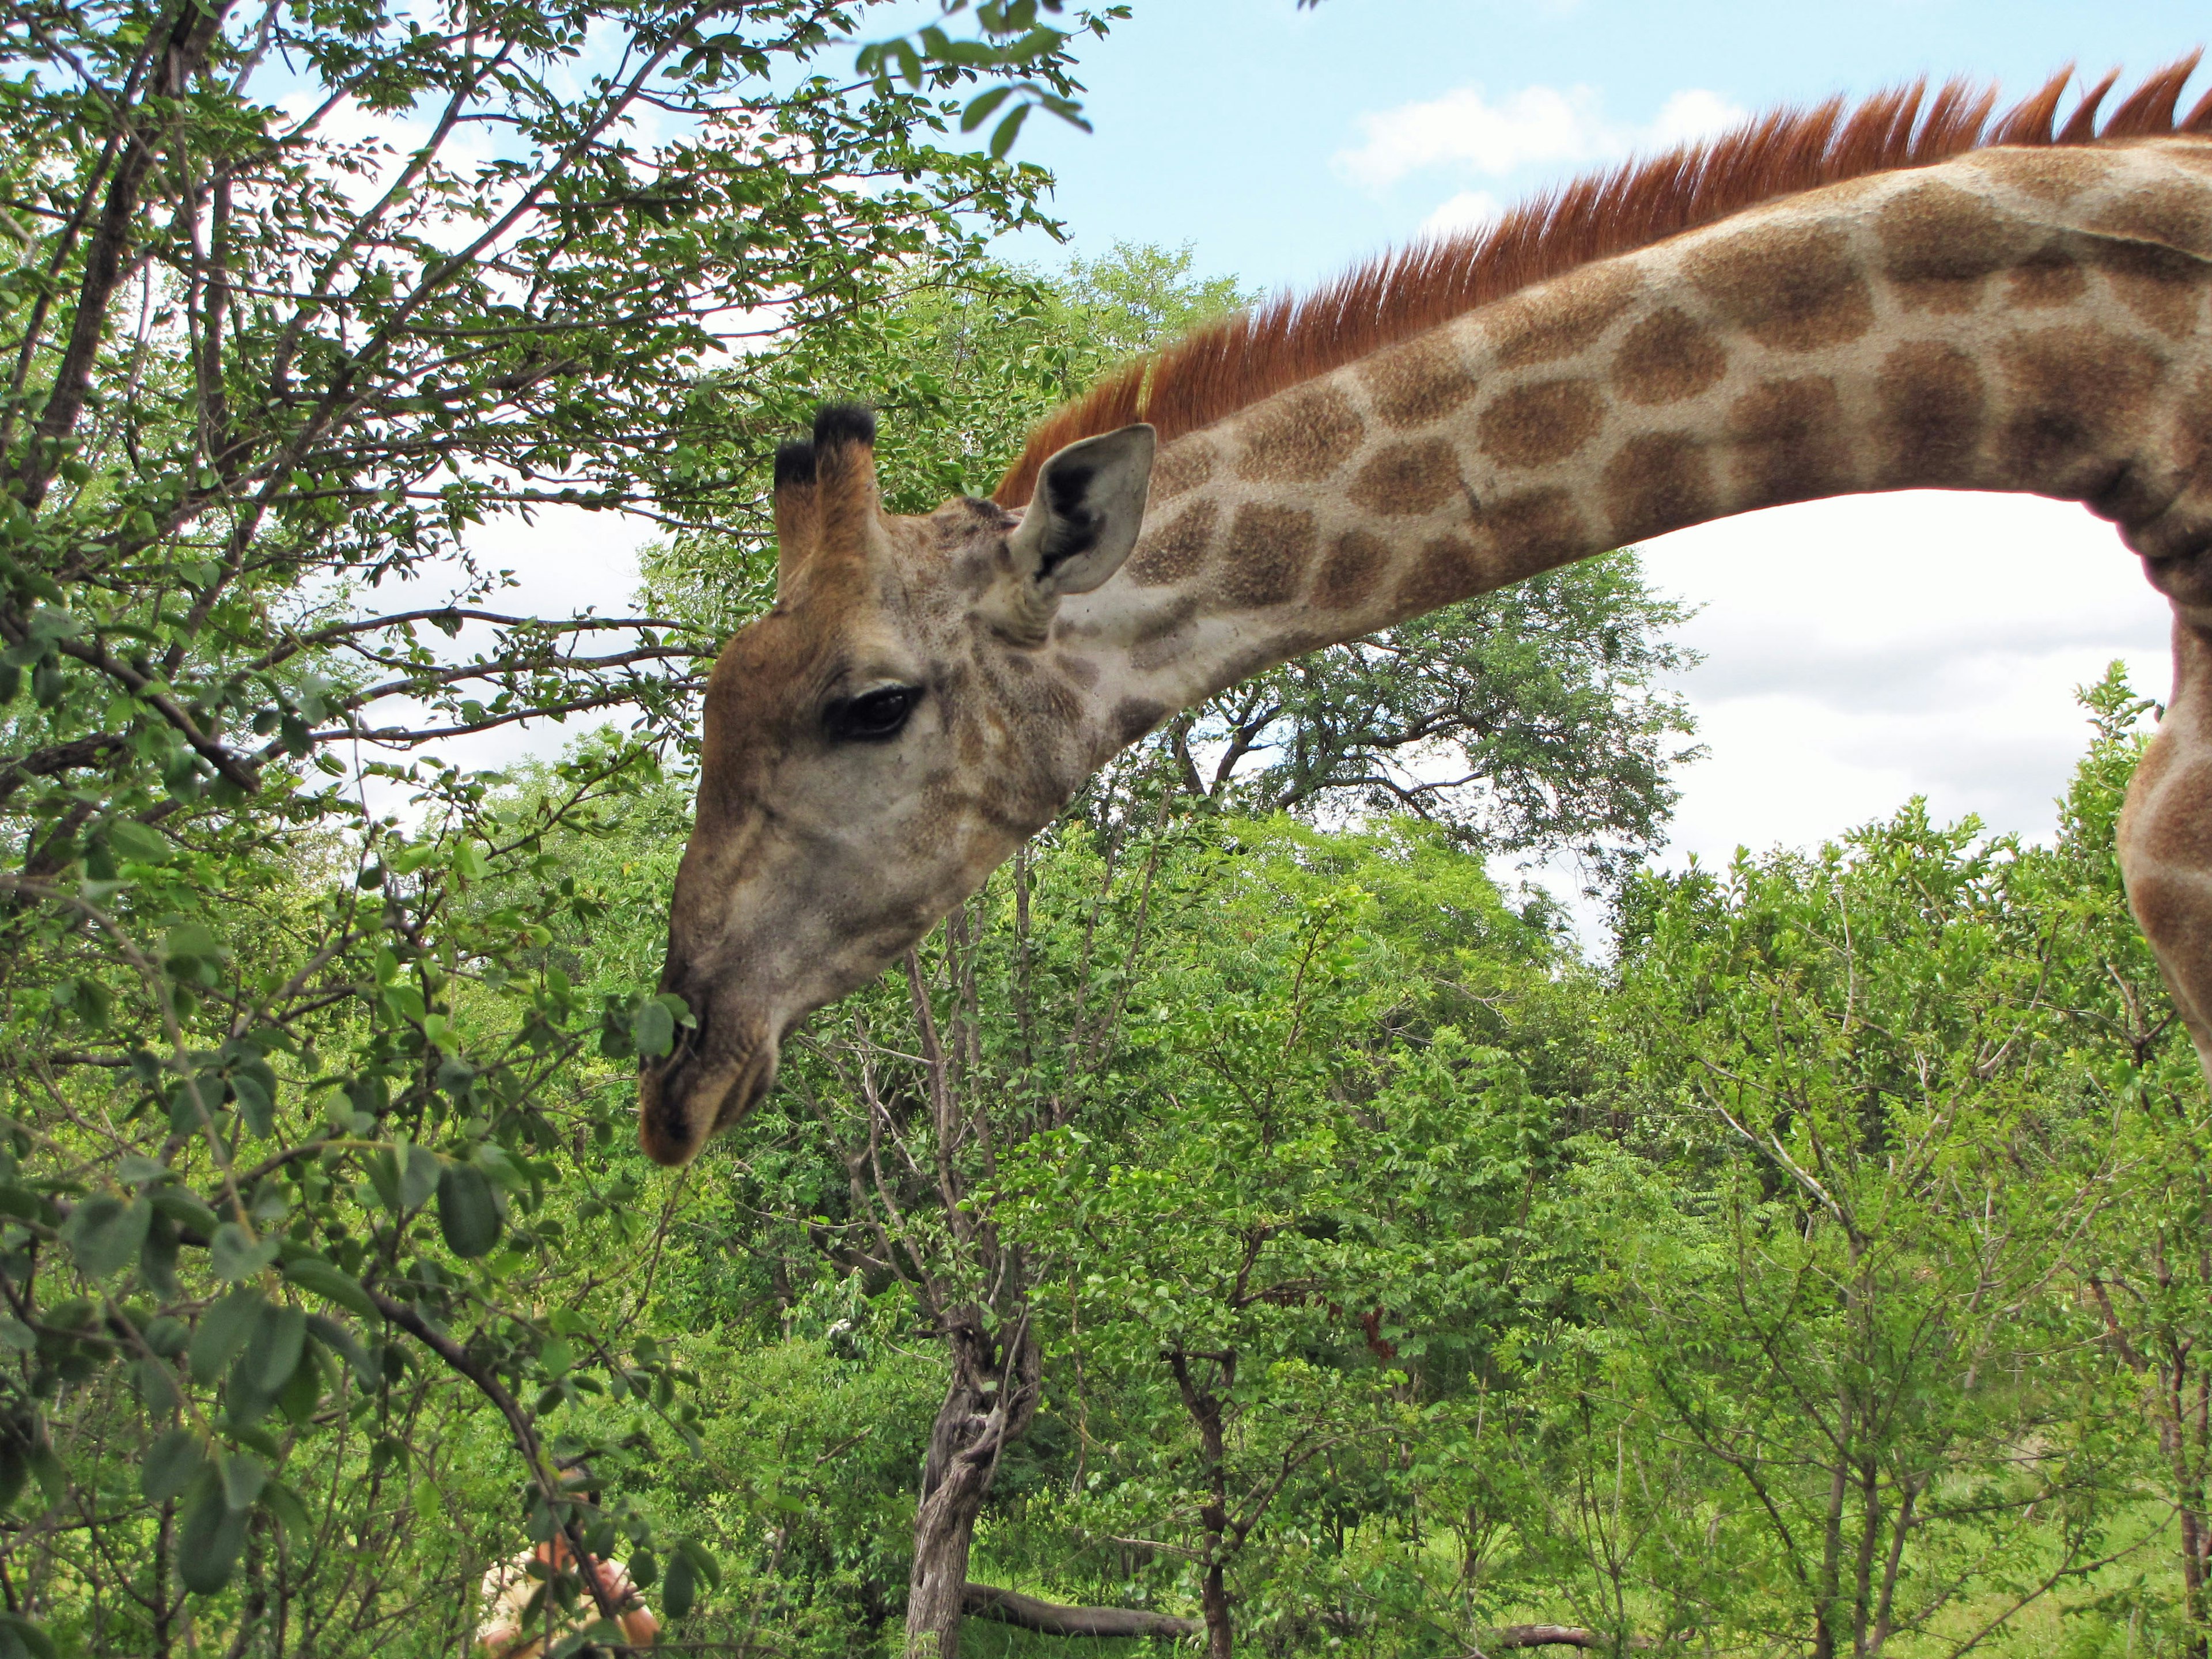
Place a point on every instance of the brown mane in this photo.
(1234, 363)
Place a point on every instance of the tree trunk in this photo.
(1204, 1405)
(990, 1401)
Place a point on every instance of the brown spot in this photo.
(1788, 441)
(1408, 480)
(1421, 381)
(1183, 464)
(1792, 287)
(1941, 244)
(1658, 482)
(1172, 552)
(2171, 212)
(2163, 286)
(1165, 620)
(1269, 547)
(1933, 410)
(1080, 671)
(1536, 425)
(1561, 317)
(2079, 396)
(1300, 437)
(2050, 275)
(2049, 175)
(1134, 716)
(1450, 568)
(1667, 357)
(1356, 562)
(1534, 531)
(1159, 653)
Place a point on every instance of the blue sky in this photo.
(1224, 123)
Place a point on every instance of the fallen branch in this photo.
(1050, 1619)
(1547, 1636)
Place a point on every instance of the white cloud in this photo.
(1464, 129)
(1471, 209)
(1863, 650)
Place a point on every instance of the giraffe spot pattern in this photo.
(1300, 437)
(1175, 549)
(1356, 562)
(1657, 483)
(1448, 568)
(1419, 383)
(1532, 532)
(1408, 480)
(1269, 549)
(1537, 425)
(1562, 318)
(1181, 465)
(1134, 716)
(2077, 395)
(1790, 287)
(2052, 176)
(2048, 276)
(1940, 245)
(2168, 212)
(1790, 444)
(1933, 408)
(1667, 357)
(2154, 247)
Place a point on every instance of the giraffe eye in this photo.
(873, 715)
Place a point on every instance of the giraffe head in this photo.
(874, 746)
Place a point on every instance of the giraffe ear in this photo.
(1085, 515)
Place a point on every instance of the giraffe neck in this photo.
(2015, 320)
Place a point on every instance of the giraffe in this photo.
(1906, 294)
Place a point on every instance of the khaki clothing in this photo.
(510, 1587)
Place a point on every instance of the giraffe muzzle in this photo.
(692, 1096)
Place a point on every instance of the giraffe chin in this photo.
(685, 1100)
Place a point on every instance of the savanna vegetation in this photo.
(1245, 1226)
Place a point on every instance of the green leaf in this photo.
(291, 1514)
(468, 1214)
(471, 861)
(1002, 140)
(31, 1638)
(274, 1350)
(243, 1477)
(703, 1559)
(173, 1462)
(104, 1234)
(193, 940)
(233, 1254)
(653, 1028)
(255, 1085)
(341, 1341)
(681, 1589)
(222, 1331)
(312, 1273)
(138, 842)
(185, 1210)
(209, 1535)
(980, 107)
(419, 1178)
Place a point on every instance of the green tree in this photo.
(303, 1171)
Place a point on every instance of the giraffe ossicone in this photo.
(1908, 295)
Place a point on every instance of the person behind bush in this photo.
(524, 1616)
